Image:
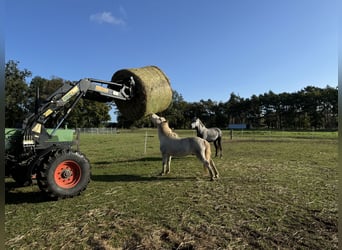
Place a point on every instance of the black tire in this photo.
(64, 174)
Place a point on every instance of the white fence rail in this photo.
(98, 130)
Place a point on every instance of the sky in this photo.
(207, 48)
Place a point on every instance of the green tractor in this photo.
(60, 170)
(48, 155)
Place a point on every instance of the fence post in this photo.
(145, 142)
(78, 139)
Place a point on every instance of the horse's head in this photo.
(195, 123)
(163, 125)
(157, 120)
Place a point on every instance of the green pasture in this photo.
(278, 190)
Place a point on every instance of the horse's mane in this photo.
(201, 123)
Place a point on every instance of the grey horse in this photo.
(209, 134)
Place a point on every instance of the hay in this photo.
(152, 92)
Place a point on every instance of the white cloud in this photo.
(106, 17)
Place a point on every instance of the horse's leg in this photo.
(211, 171)
(206, 165)
(216, 173)
(220, 145)
(168, 165)
(165, 159)
(215, 148)
(205, 157)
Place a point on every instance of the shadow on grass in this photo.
(137, 178)
(143, 159)
(14, 196)
(27, 197)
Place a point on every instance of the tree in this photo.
(16, 94)
(330, 107)
(254, 112)
(235, 109)
(177, 113)
(221, 117)
(44, 87)
(90, 114)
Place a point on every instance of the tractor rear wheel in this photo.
(64, 174)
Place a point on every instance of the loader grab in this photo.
(47, 153)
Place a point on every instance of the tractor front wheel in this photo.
(64, 174)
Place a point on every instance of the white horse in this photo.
(171, 145)
(209, 134)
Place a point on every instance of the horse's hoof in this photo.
(215, 178)
(161, 174)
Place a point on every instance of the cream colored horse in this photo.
(171, 145)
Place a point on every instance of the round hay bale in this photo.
(152, 92)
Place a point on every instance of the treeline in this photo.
(309, 108)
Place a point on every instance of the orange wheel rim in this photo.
(67, 174)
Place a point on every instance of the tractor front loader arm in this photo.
(66, 98)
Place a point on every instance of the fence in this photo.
(98, 130)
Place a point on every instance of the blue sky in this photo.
(208, 48)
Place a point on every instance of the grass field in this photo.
(277, 190)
